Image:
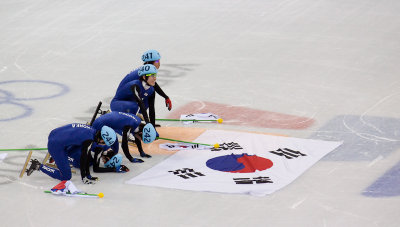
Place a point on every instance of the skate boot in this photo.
(34, 166)
(104, 112)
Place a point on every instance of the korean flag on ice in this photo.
(248, 163)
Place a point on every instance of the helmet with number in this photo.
(108, 135)
(114, 161)
(147, 69)
(151, 55)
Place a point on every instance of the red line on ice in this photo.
(237, 115)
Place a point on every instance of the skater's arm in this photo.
(136, 91)
(152, 112)
(124, 144)
(139, 146)
(159, 91)
(84, 162)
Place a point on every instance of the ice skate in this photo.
(34, 166)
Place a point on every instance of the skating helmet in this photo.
(147, 70)
(108, 135)
(151, 55)
(114, 161)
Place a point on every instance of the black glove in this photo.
(136, 160)
(89, 180)
(144, 155)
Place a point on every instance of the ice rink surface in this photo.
(333, 63)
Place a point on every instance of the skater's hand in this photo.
(121, 169)
(136, 160)
(93, 178)
(168, 104)
(86, 180)
(144, 155)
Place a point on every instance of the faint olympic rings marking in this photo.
(7, 97)
(64, 88)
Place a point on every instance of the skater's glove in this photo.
(136, 160)
(91, 180)
(121, 169)
(168, 104)
(86, 180)
(144, 155)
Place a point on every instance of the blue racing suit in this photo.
(122, 123)
(133, 97)
(69, 140)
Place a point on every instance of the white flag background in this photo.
(182, 146)
(271, 163)
(199, 116)
(3, 156)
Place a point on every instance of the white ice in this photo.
(316, 59)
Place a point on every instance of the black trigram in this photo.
(257, 180)
(186, 173)
(170, 145)
(194, 146)
(227, 146)
(288, 153)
